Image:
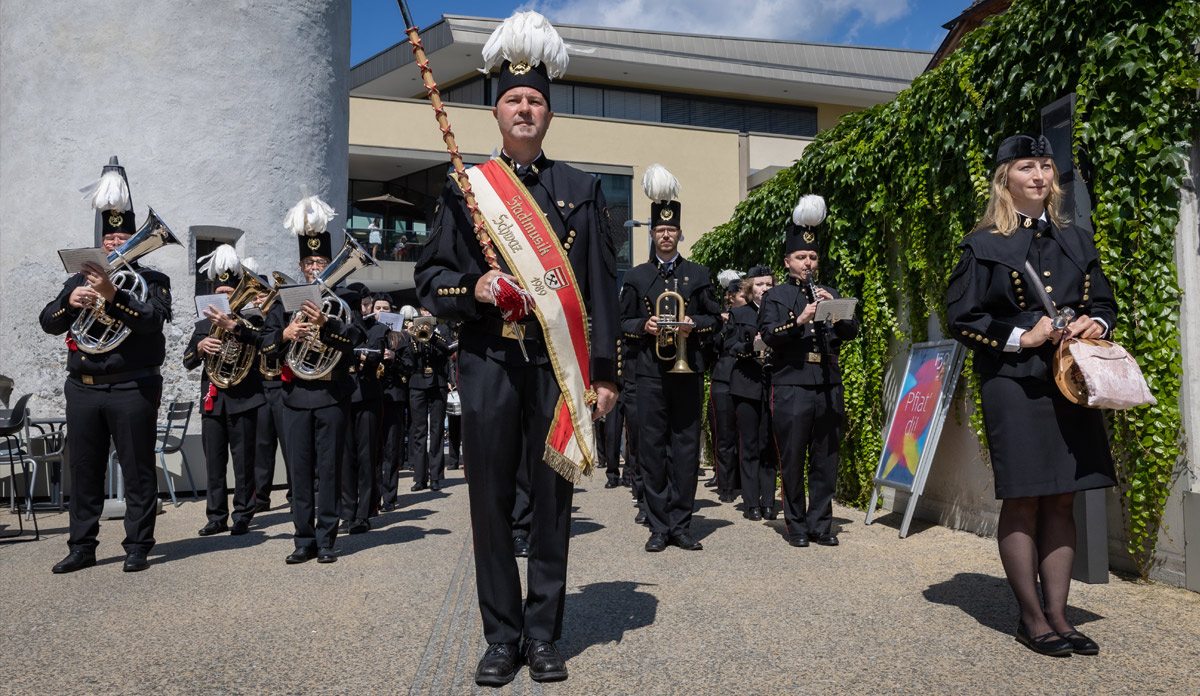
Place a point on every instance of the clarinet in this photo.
(810, 286)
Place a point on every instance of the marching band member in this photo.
(726, 476)
(428, 361)
(669, 404)
(229, 414)
(510, 388)
(315, 410)
(112, 394)
(362, 430)
(395, 408)
(269, 430)
(807, 404)
(748, 389)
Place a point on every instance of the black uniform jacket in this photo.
(801, 355)
(396, 374)
(723, 365)
(243, 396)
(452, 263)
(428, 363)
(314, 393)
(144, 347)
(989, 292)
(367, 386)
(747, 379)
(639, 296)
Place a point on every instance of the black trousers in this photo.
(614, 430)
(359, 459)
(725, 438)
(808, 430)
(633, 467)
(127, 415)
(221, 435)
(427, 408)
(669, 448)
(757, 468)
(507, 409)
(266, 437)
(316, 439)
(395, 449)
(454, 435)
(522, 514)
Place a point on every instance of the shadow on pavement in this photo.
(895, 519)
(704, 526)
(603, 612)
(584, 525)
(988, 600)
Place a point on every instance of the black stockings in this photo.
(1037, 539)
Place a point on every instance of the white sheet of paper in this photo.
(294, 296)
(423, 320)
(73, 259)
(836, 310)
(251, 312)
(219, 300)
(395, 322)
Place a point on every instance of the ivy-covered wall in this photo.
(906, 180)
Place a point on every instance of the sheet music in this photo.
(293, 296)
(395, 322)
(759, 344)
(219, 300)
(836, 310)
(73, 259)
(251, 312)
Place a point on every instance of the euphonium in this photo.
(93, 330)
(310, 358)
(668, 331)
(233, 361)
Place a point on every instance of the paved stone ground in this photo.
(930, 614)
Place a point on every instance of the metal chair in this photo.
(18, 420)
(170, 441)
(48, 447)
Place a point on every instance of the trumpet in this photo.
(423, 328)
(310, 358)
(668, 332)
(152, 235)
(230, 365)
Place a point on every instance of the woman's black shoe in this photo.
(1050, 643)
(1081, 644)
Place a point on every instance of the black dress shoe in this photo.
(753, 513)
(611, 483)
(640, 517)
(135, 561)
(1081, 644)
(498, 665)
(521, 547)
(711, 483)
(686, 542)
(76, 560)
(799, 541)
(326, 556)
(769, 513)
(360, 526)
(239, 528)
(546, 664)
(417, 487)
(435, 486)
(387, 507)
(213, 528)
(826, 539)
(262, 506)
(656, 542)
(1050, 643)
(300, 556)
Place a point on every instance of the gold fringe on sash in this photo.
(564, 467)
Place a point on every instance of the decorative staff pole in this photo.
(439, 112)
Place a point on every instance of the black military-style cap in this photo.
(1023, 145)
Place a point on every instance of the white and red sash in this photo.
(529, 246)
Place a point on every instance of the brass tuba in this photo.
(668, 331)
(93, 330)
(233, 361)
(271, 368)
(310, 358)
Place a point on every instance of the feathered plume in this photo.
(659, 184)
(109, 192)
(727, 276)
(809, 212)
(310, 216)
(251, 265)
(223, 259)
(529, 37)
(408, 312)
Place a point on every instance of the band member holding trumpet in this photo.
(231, 392)
(427, 359)
(807, 405)
(667, 306)
(749, 385)
(319, 350)
(512, 393)
(113, 388)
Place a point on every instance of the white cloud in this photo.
(794, 20)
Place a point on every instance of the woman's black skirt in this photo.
(1042, 444)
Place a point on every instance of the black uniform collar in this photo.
(537, 166)
(1012, 251)
(1036, 224)
(793, 280)
(674, 263)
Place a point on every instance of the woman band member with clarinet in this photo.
(749, 384)
(807, 405)
(1043, 447)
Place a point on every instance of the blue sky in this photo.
(912, 24)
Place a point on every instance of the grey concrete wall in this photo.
(218, 109)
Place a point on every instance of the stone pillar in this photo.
(219, 112)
